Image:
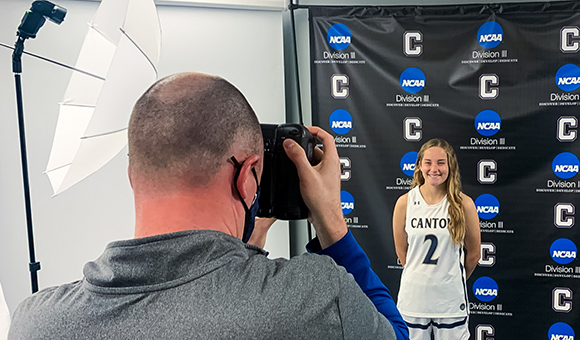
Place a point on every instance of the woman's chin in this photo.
(434, 182)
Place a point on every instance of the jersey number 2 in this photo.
(429, 258)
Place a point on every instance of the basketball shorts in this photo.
(438, 328)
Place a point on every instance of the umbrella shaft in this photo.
(33, 266)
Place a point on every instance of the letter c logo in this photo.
(412, 129)
(488, 86)
(411, 48)
(345, 174)
(486, 171)
(482, 332)
(567, 129)
(569, 36)
(564, 215)
(339, 86)
(562, 300)
(487, 257)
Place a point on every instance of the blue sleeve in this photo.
(351, 256)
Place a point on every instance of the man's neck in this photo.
(186, 210)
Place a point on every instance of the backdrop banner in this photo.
(501, 83)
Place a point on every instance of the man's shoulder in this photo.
(46, 299)
(290, 284)
(307, 270)
(44, 308)
(308, 262)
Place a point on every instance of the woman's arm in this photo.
(399, 233)
(472, 235)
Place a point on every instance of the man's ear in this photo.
(129, 175)
(246, 183)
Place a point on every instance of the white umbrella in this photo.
(122, 46)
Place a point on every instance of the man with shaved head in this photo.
(195, 269)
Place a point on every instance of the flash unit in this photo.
(35, 17)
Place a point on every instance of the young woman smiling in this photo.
(437, 240)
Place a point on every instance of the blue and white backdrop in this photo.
(501, 83)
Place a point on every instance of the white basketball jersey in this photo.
(433, 280)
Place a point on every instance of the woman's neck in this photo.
(433, 194)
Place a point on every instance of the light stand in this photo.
(31, 22)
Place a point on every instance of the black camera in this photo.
(280, 187)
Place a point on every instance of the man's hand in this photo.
(320, 186)
(261, 227)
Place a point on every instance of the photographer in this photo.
(195, 162)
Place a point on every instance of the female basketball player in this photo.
(437, 239)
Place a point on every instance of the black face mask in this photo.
(253, 210)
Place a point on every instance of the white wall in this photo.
(243, 46)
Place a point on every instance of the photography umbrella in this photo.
(122, 47)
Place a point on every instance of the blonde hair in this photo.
(457, 226)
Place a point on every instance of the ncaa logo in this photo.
(346, 202)
(487, 123)
(338, 36)
(560, 331)
(412, 80)
(487, 206)
(340, 121)
(563, 251)
(408, 163)
(565, 165)
(568, 77)
(490, 34)
(485, 289)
